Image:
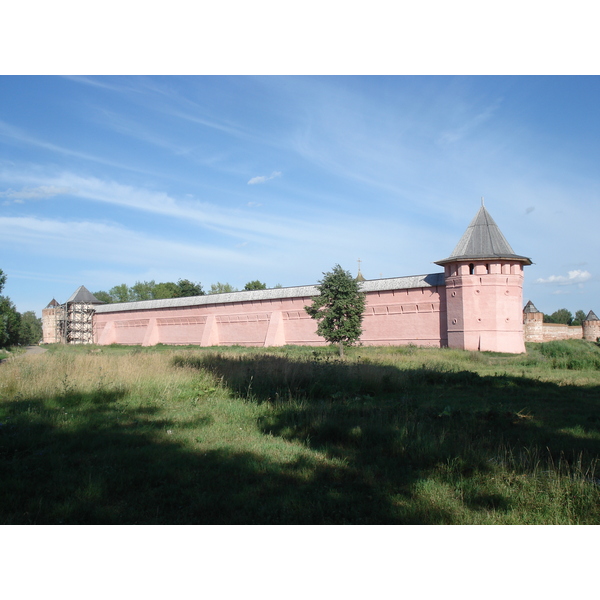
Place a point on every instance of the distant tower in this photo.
(49, 329)
(591, 327)
(484, 290)
(74, 322)
(533, 323)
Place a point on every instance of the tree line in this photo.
(150, 290)
(16, 328)
(565, 317)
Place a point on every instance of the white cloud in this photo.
(263, 178)
(34, 193)
(573, 277)
(105, 242)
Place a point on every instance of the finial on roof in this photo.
(359, 277)
(482, 201)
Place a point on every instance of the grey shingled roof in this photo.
(483, 239)
(530, 308)
(304, 291)
(592, 316)
(81, 294)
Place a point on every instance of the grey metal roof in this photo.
(81, 294)
(592, 316)
(52, 303)
(304, 291)
(530, 308)
(483, 239)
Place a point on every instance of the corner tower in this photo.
(484, 290)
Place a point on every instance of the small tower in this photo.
(591, 327)
(484, 290)
(49, 316)
(533, 323)
(74, 323)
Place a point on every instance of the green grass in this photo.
(294, 435)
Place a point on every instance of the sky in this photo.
(116, 179)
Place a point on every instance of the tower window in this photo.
(471, 269)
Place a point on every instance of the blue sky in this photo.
(109, 180)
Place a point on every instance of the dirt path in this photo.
(35, 350)
(29, 350)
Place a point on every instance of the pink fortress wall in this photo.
(392, 317)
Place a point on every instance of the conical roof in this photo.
(530, 308)
(483, 240)
(81, 294)
(592, 316)
(52, 303)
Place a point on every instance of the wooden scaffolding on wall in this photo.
(74, 318)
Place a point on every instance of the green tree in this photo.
(562, 315)
(103, 296)
(188, 288)
(10, 319)
(142, 290)
(30, 329)
(339, 308)
(167, 289)
(121, 293)
(10, 323)
(255, 285)
(221, 288)
(579, 318)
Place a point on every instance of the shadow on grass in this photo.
(111, 465)
(83, 460)
(396, 426)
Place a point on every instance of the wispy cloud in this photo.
(573, 277)
(471, 122)
(104, 242)
(17, 135)
(34, 193)
(263, 178)
(267, 229)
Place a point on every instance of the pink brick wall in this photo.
(395, 317)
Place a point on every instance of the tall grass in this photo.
(294, 435)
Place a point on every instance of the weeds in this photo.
(294, 435)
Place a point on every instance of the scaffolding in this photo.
(74, 319)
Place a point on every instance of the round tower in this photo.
(533, 323)
(591, 327)
(484, 290)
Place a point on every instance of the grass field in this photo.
(293, 435)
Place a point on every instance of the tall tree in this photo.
(255, 285)
(188, 288)
(103, 296)
(339, 308)
(562, 315)
(142, 290)
(10, 319)
(167, 289)
(121, 293)
(579, 318)
(31, 329)
(10, 323)
(221, 288)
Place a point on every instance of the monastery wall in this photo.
(399, 311)
(548, 332)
